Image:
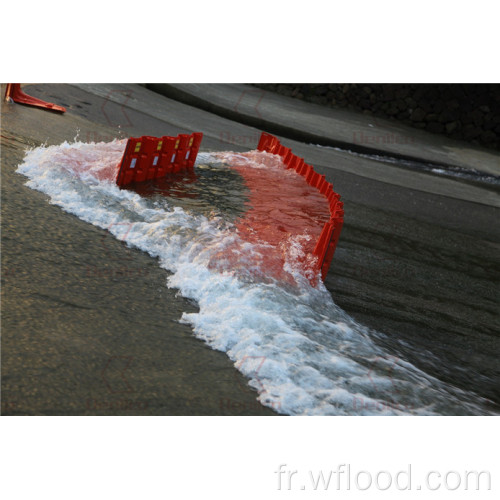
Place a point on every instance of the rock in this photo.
(451, 127)
(488, 137)
(448, 115)
(410, 102)
(488, 123)
(388, 92)
(470, 131)
(466, 118)
(456, 91)
(418, 115)
(401, 104)
(438, 106)
(477, 117)
(419, 92)
(402, 92)
(426, 105)
(435, 127)
(393, 109)
(319, 99)
(484, 109)
(432, 93)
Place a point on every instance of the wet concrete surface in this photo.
(312, 123)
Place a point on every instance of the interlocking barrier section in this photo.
(327, 241)
(14, 93)
(147, 158)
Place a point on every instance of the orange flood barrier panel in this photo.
(13, 92)
(147, 158)
(327, 241)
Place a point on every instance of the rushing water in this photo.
(300, 351)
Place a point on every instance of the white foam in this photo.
(301, 352)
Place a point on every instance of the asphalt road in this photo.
(417, 260)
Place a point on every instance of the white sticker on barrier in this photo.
(133, 162)
(155, 161)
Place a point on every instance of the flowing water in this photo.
(282, 329)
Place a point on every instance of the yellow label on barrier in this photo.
(177, 143)
(159, 145)
(137, 147)
(191, 142)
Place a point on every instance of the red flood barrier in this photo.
(14, 93)
(147, 158)
(327, 241)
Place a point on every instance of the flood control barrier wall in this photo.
(327, 241)
(148, 157)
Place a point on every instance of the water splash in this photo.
(300, 351)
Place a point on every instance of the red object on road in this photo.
(147, 158)
(13, 92)
(327, 241)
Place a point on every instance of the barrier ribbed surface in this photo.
(327, 241)
(147, 158)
